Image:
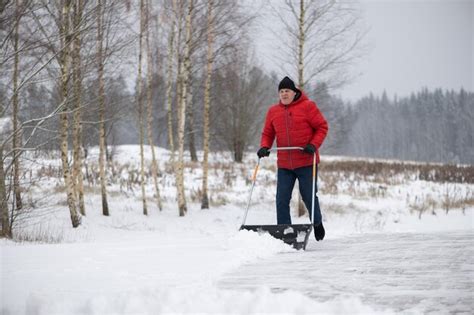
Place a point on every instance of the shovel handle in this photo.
(286, 148)
(254, 179)
(254, 176)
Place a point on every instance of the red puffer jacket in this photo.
(294, 125)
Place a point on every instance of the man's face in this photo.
(286, 96)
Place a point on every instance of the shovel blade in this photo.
(295, 235)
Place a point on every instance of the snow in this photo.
(379, 257)
(405, 272)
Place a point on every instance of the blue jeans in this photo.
(285, 183)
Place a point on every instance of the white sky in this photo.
(414, 44)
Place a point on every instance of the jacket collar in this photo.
(301, 99)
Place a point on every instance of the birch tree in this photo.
(65, 63)
(179, 13)
(140, 106)
(77, 118)
(324, 38)
(16, 105)
(207, 105)
(182, 114)
(154, 163)
(26, 46)
(100, 74)
(169, 83)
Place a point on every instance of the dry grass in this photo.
(218, 200)
(422, 204)
(452, 198)
(337, 208)
(363, 180)
(382, 171)
(39, 234)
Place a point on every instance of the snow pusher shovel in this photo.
(293, 234)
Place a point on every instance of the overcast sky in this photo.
(414, 44)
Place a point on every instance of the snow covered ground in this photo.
(411, 273)
(379, 257)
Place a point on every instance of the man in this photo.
(295, 122)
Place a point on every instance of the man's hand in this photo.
(309, 148)
(262, 152)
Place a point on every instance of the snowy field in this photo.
(389, 248)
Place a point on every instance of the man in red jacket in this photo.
(295, 122)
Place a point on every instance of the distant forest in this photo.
(434, 126)
(431, 126)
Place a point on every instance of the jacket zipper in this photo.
(288, 134)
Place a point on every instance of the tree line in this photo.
(430, 126)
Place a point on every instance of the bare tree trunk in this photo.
(64, 98)
(154, 169)
(207, 105)
(190, 124)
(5, 218)
(238, 150)
(140, 107)
(179, 70)
(6, 228)
(16, 132)
(102, 148)
(169, 84)
(301, 41)
(77, 118)
(179, 85)
(182, 116)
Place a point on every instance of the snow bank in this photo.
(205, 300)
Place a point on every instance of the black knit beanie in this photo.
(287, 83)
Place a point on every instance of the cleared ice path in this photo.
(409, 272)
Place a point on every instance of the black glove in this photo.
(309, 148)
(263, 151)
